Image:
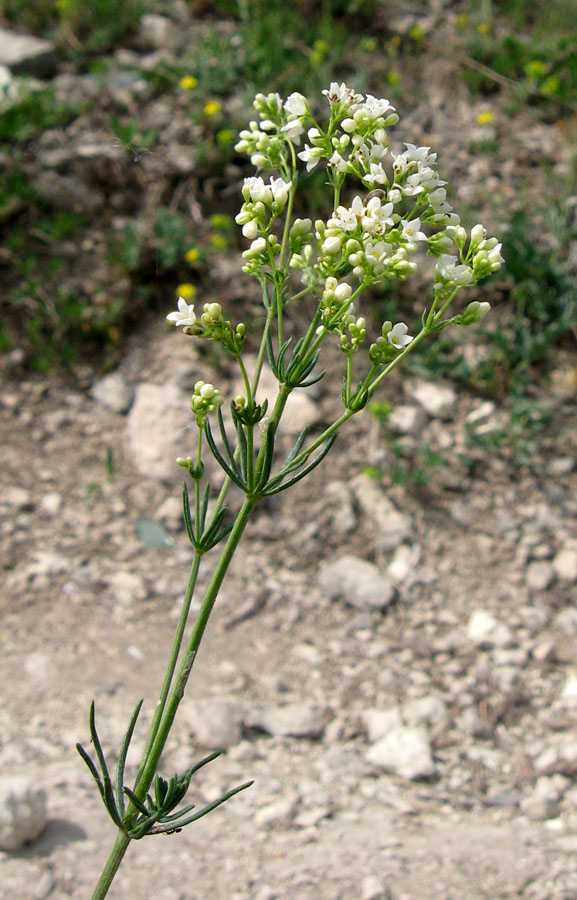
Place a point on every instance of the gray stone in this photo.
(438, 400)
(561, 465)
(565, 565)
(430, 711)
(405, 751)
(356, 581)
(128, 587)
(380, 722)
(155, 427)
(481, 413)
(486, 631)
(51, 503)
(404, 562)
(374, 888)
(569, 693)
(22, 811)
(67, 192)
(560, 759)
(279, 812)
(543, 802)
(158, 32)
(216, 722)
(16, 498)
(27, 55)
(392, 526)
(113, 392)
(170, 513)
(406, 419)
(540, 575)
(300, 411)
(294, 720)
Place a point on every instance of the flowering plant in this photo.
(400, 203)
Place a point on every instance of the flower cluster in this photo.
(205, 399)
(211, 324)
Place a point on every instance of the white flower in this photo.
(337, 162)
(293, 131)
(312, 156)
(376, 174)
(398, 336)
(184, 316)
(448, 268)
(341, 94)
(374, 108)
(296, 104)
(411, 230)
(377, 216)
(280, 190)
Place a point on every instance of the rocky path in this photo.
(394, 667)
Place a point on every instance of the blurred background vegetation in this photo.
(120, 181)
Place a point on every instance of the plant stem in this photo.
(112, 866)
(150, 761)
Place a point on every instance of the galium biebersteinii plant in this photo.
(395, 202)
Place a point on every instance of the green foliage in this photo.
(39, 16)
(98, 25)
(30, 112)
(533, 45)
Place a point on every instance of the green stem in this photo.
(150, 764)
(177, 691)
(174, 654)
(112, 865)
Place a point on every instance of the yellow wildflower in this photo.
(485, 118)
(186, 291)
(212, 108)
(192, 255)
(188, 83)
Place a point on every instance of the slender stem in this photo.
(112, 865)
(174, 654)
(177, 691)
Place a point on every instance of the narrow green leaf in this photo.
(92, 768)
(122, 758)
(187, 515)
(136, 802)
(304, 472)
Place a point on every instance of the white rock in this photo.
(481, 413)
(51, 503)
(391, 526)
(406, 752)
(113, 392)
(157, 429)
(569, 692)
(27, 55)
(374, 888)
(486, 631)
(356, 581)
(438, 400)
(430, 711)
(560, 759)
(404, 562)
(215, 722)
(565, 565)
(380, 722)
(540, 575)
(407, 419)
(22, 811)
(159, 32)
(543, 802)
(561, 465)
(16, 498)
(294, 720)
(170, 514)
(300, 411)
(280, 812)
(128, 587)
